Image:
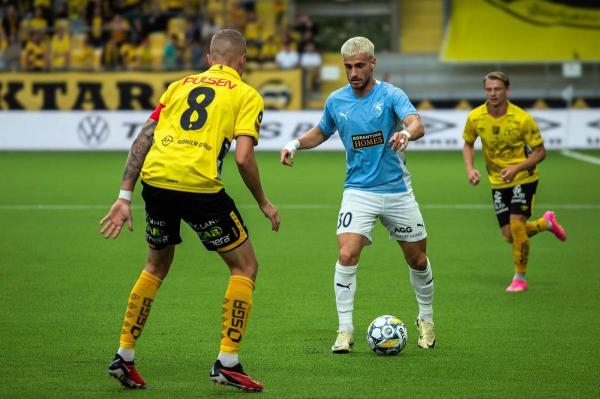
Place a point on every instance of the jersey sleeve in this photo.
(531, 132)
(163, 102)
(249, 117)
(327, 123)
(470, 133)
(402, 105)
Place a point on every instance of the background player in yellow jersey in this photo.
(512, 148)
(179, 154)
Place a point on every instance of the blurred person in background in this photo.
(310, 62)
(512, 149)
(377, 186)
(60, 46)
(181, 180)
(34, 56)
(287, 57)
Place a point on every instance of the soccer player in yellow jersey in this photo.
(178, 154)
(512, 148)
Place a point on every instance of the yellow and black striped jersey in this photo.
(506, 141)
(198, 118)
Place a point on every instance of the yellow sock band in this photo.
(236, 310)
(520, 245)
(140, 302)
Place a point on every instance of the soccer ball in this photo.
(387, 335)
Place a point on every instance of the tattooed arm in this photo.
(137, 154)
(120, 212)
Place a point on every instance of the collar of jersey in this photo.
(224, 69)
(509, 110)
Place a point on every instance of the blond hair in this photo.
(227, 45)
(358, 45)
(501, 76)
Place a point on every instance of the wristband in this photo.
(407, 134)
(293, 145)
(126, 195)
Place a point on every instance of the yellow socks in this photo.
(236, 310)
(138, 308)
(536, 226)
(520, 245)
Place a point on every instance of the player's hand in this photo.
(508, 174)
(119, 214)
(271, 213)
(399, 141)
(474, 176)
(289, 152)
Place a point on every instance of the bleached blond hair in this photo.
(358, 45)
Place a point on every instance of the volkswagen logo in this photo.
(93, 130)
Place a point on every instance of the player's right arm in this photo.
(470, 135)
(310, 139)
(469, 157)
(120, 212)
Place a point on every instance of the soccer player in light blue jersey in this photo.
(365, 114)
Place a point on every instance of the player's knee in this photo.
(417, 260)
(348, 258)
(157, 269)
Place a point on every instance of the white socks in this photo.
(344, 286)
(422, 282)
(127, 354)
(228, 359)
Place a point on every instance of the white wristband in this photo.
(292, 146)
(407, 134)
(126, 195)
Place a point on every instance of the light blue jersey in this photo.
(365, 126)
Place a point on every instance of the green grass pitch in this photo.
(63, 289)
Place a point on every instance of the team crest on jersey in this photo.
(378, 108)
(495, 129)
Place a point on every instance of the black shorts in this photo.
(516, 200)
(214, 217)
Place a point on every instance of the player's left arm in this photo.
(536, 156)
(414, 130)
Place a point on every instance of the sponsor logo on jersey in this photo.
(367, 140)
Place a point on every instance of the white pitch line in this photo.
(106, 207)
(581, 157)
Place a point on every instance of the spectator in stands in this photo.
(3, 46)
(287, 57)
(33, 57)
(12, 54)
(10, 21)
(170, 54)
(157, 20)
(209, 28)
(310, 62)
(119, 29)
(306, 31)
(268, 51)
(97, 36)
(60, 47)
(111, 57)
(38, 22)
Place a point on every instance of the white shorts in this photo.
(399, 213)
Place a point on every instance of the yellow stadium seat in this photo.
(425, 105)
(463, 105)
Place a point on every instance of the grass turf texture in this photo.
(63, 289)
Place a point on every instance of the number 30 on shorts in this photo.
(345, 219)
